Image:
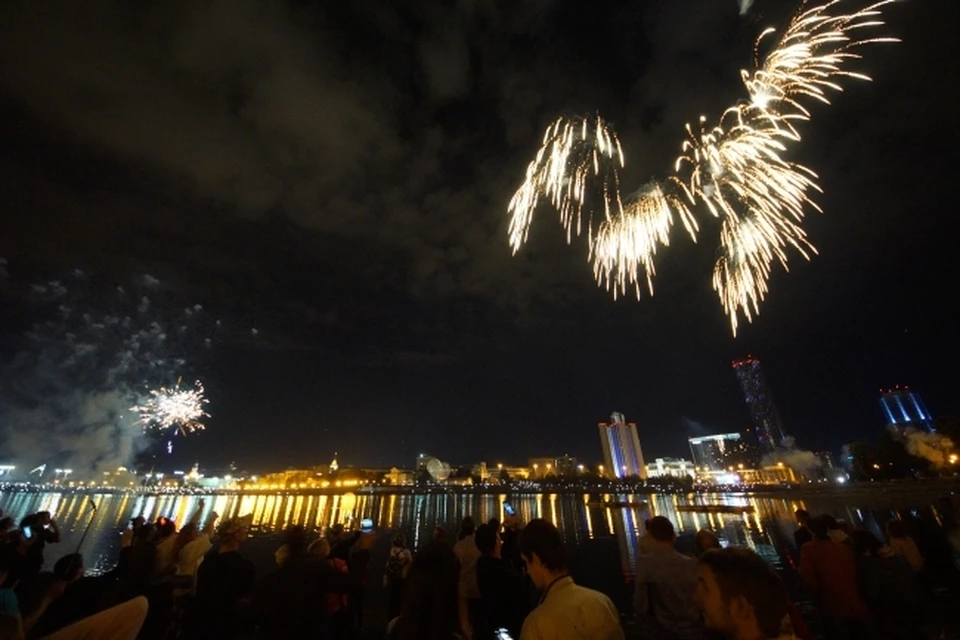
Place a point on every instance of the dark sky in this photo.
(337, 174)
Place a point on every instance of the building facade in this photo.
(904, 409)
(763, 412)
(622, 454)
(720, 452)
(672, 468)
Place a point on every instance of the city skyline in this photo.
(337, 216)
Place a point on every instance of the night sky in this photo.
(336, 175)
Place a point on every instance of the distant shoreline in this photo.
(857, 490)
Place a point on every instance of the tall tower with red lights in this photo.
(763, 411)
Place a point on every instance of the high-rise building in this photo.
(763, 412)
(622, 455)
(904, 408)
(720, 452)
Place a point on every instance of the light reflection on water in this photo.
(768, 529)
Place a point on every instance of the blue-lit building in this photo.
(763, 412)
(904, 409)
(622, 455)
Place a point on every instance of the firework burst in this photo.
(736, 168)
(167, 408)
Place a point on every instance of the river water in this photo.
(603, 540)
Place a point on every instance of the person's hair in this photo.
(865, 542)
(495, 523)
(296, 540)
(742, 573)
(707, 540)
(486, 539)
(818, 526)
(67, 566)
(167, 528)
(830, 521)
(145, 534)
(319, 548)
(399, 540)
(431, 603)
(896, 529)
(439, 533)
(6, 523)
(543, 539)
(661, 529)
(42, 514)
(802, 515)
(467, 527)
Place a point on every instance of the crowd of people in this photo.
(493, 581)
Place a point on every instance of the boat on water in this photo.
(617, 504)
(715, 508)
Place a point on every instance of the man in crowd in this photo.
(740, 596)
(503, 590)
(566, 611)
(666, 580)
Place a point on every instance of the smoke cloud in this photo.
(66, 396)
(930, 446)
(805, 463)
(745, 6)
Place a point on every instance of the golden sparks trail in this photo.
(736, 168)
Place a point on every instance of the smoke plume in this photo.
(66, 396)
(805, 463)
(930, 446)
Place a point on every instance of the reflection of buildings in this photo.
(763, 412)
(904, 409)
(671, 467)
(627, 526)
(622, 455)
(719, 452)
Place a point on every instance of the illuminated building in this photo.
(904, 409)
(671, 467)
(773, 474)
(621, 448)
(763, 412)
(423, 460)
(720, 452)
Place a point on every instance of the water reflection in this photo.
(766, 528)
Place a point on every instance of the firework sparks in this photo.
(736, 168)
(574, 150)
(174, 407)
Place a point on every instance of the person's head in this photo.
(336, 531)
(467, 527)
(6, 524)
(803, 517)
(542, 549)
(233, 531)
(320, 548)
(431, 603)
(295, 538)
(166, 527)
(865, 543)
(145, 534)
(43, 518)
(830, 521)
(69, 567)
(706, 540)
(137, 522)
(895, 529)
(495, 523)
(439, 534)
(399, 541)
(739, 594)
(819, 527)
(488, 540)
(661, 530)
